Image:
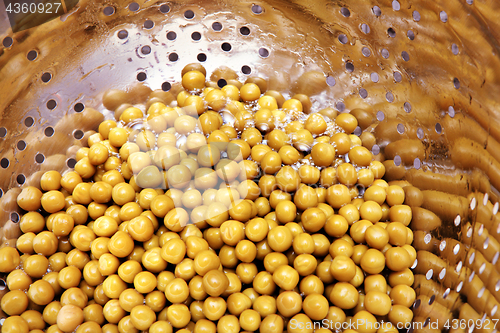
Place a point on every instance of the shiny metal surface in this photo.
(425, 71)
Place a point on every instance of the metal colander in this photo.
(425, 74)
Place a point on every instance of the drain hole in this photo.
(443, 16)
(149, 24)
(256, 9)
(145, 49)
(217, 26)
(391, 32)
(39, 158)
(330, 80)
(365, 28)
(377, 11)
(226, 47)
(264, 53)
(417, 163)
(14, 217)
(202, 57)
(438, 128)
(456, 83)
(108, 11)
(171, 35)
(349, 67)
(4, 163)
(396, 5)
(246, 70)
(416, 16)
(366, 51)
(32, 55)
(390, 97)
(363, 93)
(1, 193)
(221, 83)
(29, 121)
(345, 12)
(380, 116)
(405, 56)
(141, 76)
(71, 162)
(189, 14)
(51, 104)
(397, 76)
(420, 133)
(3, 132)
(165, 86)
(79, 107)
(384, 53)
(342, 39)
(133, 7)
(20, 179)
(454, 48)
(49, 131)
(164, 9)
(173, 57)
(407, 107)
(122, 34)
(7, 41)
(410, 34)
(78, 134)
(21, 145)
(46, 77)
(245, 31)
(340, 106)
(196, 35)
(374, 77)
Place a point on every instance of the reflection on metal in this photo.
(427, 72)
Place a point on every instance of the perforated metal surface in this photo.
(427, 73)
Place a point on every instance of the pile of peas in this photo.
(229, 209)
